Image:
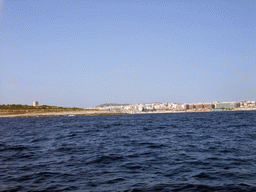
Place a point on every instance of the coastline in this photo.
(90, 113)
(64, 113)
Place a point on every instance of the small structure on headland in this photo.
(35, 103)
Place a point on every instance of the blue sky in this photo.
(85, 53)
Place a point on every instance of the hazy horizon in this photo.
(87, 53)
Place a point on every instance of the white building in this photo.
(139, 107)
(149, 106)
(35, 103)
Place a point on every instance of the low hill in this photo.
(111, 104)
(26, 109)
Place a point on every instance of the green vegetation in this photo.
(26, 107)
(15, 109)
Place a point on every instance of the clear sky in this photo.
(90, 52)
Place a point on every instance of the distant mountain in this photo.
(111, 104)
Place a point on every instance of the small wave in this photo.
(152, 145)
(13, 148)
(65, 149)
(39, 139)
(197, 162)
(14, 188)
(106, 159)
(155, 146)
(116, 124)
(204, 175)
(161, 127)
(112, 181)
(132, 166)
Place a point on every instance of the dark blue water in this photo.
(156, 152)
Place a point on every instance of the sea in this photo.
(211, 151)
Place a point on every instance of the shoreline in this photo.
(64, 113)
(90, 113)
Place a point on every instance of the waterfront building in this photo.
(175, 106)
(209, 105)
(169, 106)
(139, 107)
(185, 106)
(127, 107)
(242, 104)
(199, 105)
(159, 107)
(149, 106)
(192, 106)
(227, 105)
(179, 107)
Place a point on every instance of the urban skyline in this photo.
(158, 107)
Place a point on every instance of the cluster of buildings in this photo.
(177, 107)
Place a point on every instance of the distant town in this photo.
(177, 107)
(36, 110)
